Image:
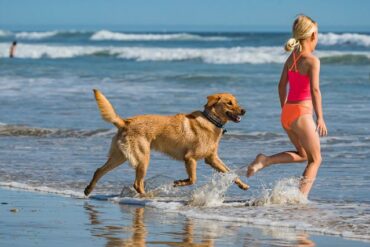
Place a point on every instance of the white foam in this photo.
(4, 33)
(256, 221)
(108, 35)
(234, 55)
(345, 38)
(318, 220)
(50, 51)
(44, 189)
(35, 35)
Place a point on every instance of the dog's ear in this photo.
(212, 100)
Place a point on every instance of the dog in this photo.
(186, 137)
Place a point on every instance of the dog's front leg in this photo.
(214, 161)
(191, 169)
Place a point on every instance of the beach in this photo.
(52, 139)
(48, 220)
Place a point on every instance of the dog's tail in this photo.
(107, 111)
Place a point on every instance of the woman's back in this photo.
(299, 82)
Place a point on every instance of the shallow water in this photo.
(53, 139)
(98, 223)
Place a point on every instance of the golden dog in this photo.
(187, 137)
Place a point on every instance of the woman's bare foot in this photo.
(256, 165)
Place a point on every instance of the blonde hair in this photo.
(303, 27)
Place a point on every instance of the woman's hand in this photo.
(321, 127)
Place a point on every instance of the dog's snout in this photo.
(242, 111)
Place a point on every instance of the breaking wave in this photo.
(344, 39)
(35, 35)
(42, 35)
(326, 39)
(116, 36)
(4, 33)
(234, 55)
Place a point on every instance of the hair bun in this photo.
(291, 44)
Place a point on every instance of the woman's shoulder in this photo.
(311, 59)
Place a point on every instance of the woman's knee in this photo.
(302, 154)
(315, 159)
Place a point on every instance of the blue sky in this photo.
(213, 15)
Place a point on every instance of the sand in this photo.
(41, 219)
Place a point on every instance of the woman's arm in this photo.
(282, 85)
(316, 96)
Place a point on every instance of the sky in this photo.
(197, 15)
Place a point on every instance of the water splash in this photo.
(285, 191)
(158, 186)
(212, 194)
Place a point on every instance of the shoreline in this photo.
(45, 219)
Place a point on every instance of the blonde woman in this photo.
(301, 71)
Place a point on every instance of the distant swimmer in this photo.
(12, 49)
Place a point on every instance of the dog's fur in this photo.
(187, 137)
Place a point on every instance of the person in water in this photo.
(12, 49)
(301, 71)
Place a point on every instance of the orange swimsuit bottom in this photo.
(291, 112)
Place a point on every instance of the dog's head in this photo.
(225, 107)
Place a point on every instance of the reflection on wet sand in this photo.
(147, 229)
(304, 241)
(288, 237)
(111, 233)
(138, 231)
(188, 239)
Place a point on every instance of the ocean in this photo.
(52, 137)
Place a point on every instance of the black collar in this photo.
(215, 120)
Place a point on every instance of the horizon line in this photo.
(179, 28)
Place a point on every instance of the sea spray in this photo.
(212, 194)
(285, 191)
(156, 186)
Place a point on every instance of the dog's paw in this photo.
(183, 182)
(241, 184)
(244, 186)
(176, 183)
(87, 190)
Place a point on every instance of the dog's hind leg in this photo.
(116, 158)
(139, 158)
(140, 175)
(191, 169)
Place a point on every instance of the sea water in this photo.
(52, 137)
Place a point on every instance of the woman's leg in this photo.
(263, 161)
(305, 129)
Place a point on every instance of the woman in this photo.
(301, 72)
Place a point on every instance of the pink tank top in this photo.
(299, 85)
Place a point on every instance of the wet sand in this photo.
(39, 219)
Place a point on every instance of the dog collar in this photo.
(215, 120)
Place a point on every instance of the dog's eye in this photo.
(230, 103)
